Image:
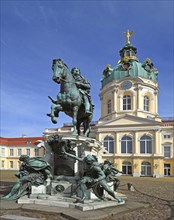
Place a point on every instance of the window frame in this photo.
(36, 152)
(109, 106)
(11, 152)
(108, 140)
(145, 140)
(146, 103)
(165, 146)
(127, 166)
(127, 102)
(11, 164)
(166, 136)
(2, 163)
(126, 139)
(28, 150)
(19, 154)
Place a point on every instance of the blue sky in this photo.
(87, 34)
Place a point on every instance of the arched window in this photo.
(145, 144)
(126, 145)
(146, 103)
(146, 169)
(127, 168)
(109, 144)
(127, 102)
(109, 107)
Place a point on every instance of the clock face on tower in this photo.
(126, 85)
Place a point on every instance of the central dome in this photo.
(129, 66)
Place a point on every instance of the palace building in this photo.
(12, 148)
(136, 139)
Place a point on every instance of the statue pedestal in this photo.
(35, 190)
(76, 160)
(67, 202)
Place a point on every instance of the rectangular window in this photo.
(3, 151)
(2, 163)
(126, 103)
(167, 152)
(36, 152)
(167, 136)
(11, 152)
(11, 164)
(109, 107)
(28, 152)
(146, 103)
(19, 152)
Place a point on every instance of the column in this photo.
(117, 147)
(136, 143)
(134, 102)
(139, 97)
(114, 94)
(156, 102)
(156, 141)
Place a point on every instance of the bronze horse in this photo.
(69, 99)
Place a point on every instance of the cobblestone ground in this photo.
(158, 193)
(148, 190)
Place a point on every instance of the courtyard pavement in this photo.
(152, 199)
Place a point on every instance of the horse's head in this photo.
(58, 70)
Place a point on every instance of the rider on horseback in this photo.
(84, 88)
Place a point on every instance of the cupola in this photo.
(129, 65)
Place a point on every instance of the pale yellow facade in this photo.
(135, 128)
(137, 140)
(12, 148)
(139, 89)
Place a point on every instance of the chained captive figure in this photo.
(33, 171)
(94, 176)
(110, 172)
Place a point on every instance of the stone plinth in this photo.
(67, 202)
(35, 190)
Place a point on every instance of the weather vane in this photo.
(128, 34)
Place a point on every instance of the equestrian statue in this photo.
(74, 97)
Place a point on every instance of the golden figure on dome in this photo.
(128, 34)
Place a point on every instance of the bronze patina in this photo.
(73, 98)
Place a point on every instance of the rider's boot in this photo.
(87, 105)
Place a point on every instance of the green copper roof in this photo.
(129, 66)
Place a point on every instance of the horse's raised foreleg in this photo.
(74, 120)
(55, 109)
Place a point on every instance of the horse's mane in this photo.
(54, 61)
(66, 66)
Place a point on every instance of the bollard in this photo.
(130, 187)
